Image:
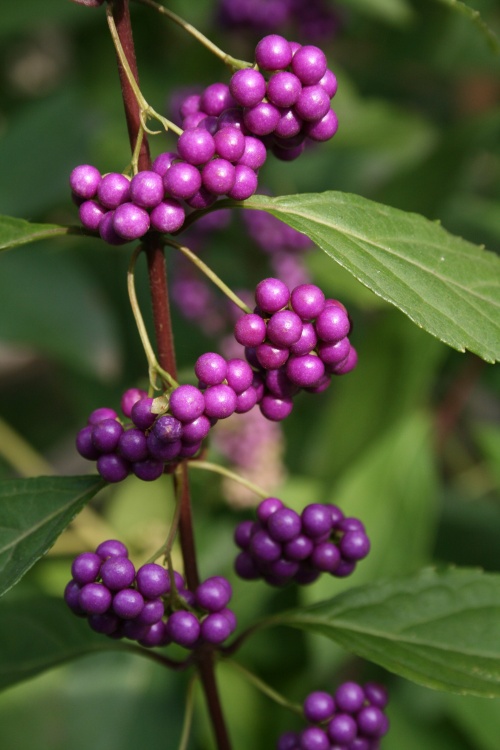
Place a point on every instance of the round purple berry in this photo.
(262, 118)
(183, 628)
(271, 295)
(106, 435)
(111, 548)
(211, 368)
(215, 99)
(167, 216)
(152, 580)
(114, 189)
(113, 468)
(255, 153)
(215, 628)
(245, 183)
(250, 330)
(84, 180)
(349, 697)
(342, 729)
(309, 64)
(305, 371)
(213, 594)
(132, 445)
(85, 568)
(85, 445)
(275, 409)
(182, 180)
(314, 738)
(128, 603)
(318, 706)
(117, 573)
(354, 545)
(313, 103)
(146, 189)
(273, 52)
(141, 413)
(149, 469)
(94, 598)
(186, 403)
(220, 401)
(332, 324)
(284, 328)
(218, 176)
(239, 375)
(316, 520)
(91, 213)
(283, 89)
(267, 507)
(248, 87)
(196, 146)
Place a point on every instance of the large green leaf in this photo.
(15, 232)
(446, 285)
(39, 633)
(33, 512)
(440, 629)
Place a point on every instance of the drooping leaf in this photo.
(439, 629)
(14, 232)
(39, 633)
(33, 512)
(446, 285)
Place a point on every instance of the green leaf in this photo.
(446, 285)
(33, 512)
(39, 633)
(14, 232)
(439, 629)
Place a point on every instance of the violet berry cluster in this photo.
(352, 719)
(149, 605)
(226, 133)
(296, 341)
(283, 545)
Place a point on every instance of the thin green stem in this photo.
(145, 109)
(266, 689)
(188, 714)
(210, 275)
(208, 466)
(154, 367)
(231, 62)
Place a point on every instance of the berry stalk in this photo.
(166, 353)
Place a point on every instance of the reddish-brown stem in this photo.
(166, 357)
(454, 401)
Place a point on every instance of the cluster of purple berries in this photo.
(352, 719)
(296, 341)
(283, 546)
(149, 605)
(293, 104)
(222, 147)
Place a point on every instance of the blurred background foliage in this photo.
(409, 442)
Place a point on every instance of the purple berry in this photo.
(167, 216)
(152, 580)
(288, 128)
(262, 118)
(149, 469)
(107, 232)
(264, 547)
(215, 99)
(318, 706)
(220, 401)
(91, 213)
(309, 64)
(316, 520)
(146, 189)
(307, 341)
(305, 371)
(99, 415)
(326, 557)
(156, 635)
(245, 183)
(243, 534)
(299, 548)
(246, 567)
(349, 697)
(186, 403)
(284, 328)
(196, 146)
(162, 450)
(275, 409)
(329, 83)
(271, 295)
(218, 176)
(132, 445)
(246, 401)
(342, 729)
(307, 300)
(163, 162)
(279, 385)
(284, 525)
(114, 189)
(354, 545)
(267, 507)
(348, 364)
(152, 612)
(113, 468)
(313, 103)
(230, 143)
(141, 413)
(273, 52)
(376, 694)
(84, 444)
(255, 153)
(117, 573)
(85, 568)
(183, 628)
(248, 87)
(84, 180)
(250, 330)
(323, 129)
(182, 180)
(239, 375)
(213, 594)
(129, 398)
(314, 738)
(332, 324)
(288, 741)
(215, 628)
(106, 435)
(94, 598)
(128, 603)
(111, 548)
(211, 368)
(283, 89)
(107, 623)
(196, 431)
(333, 354)
(271, 357)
